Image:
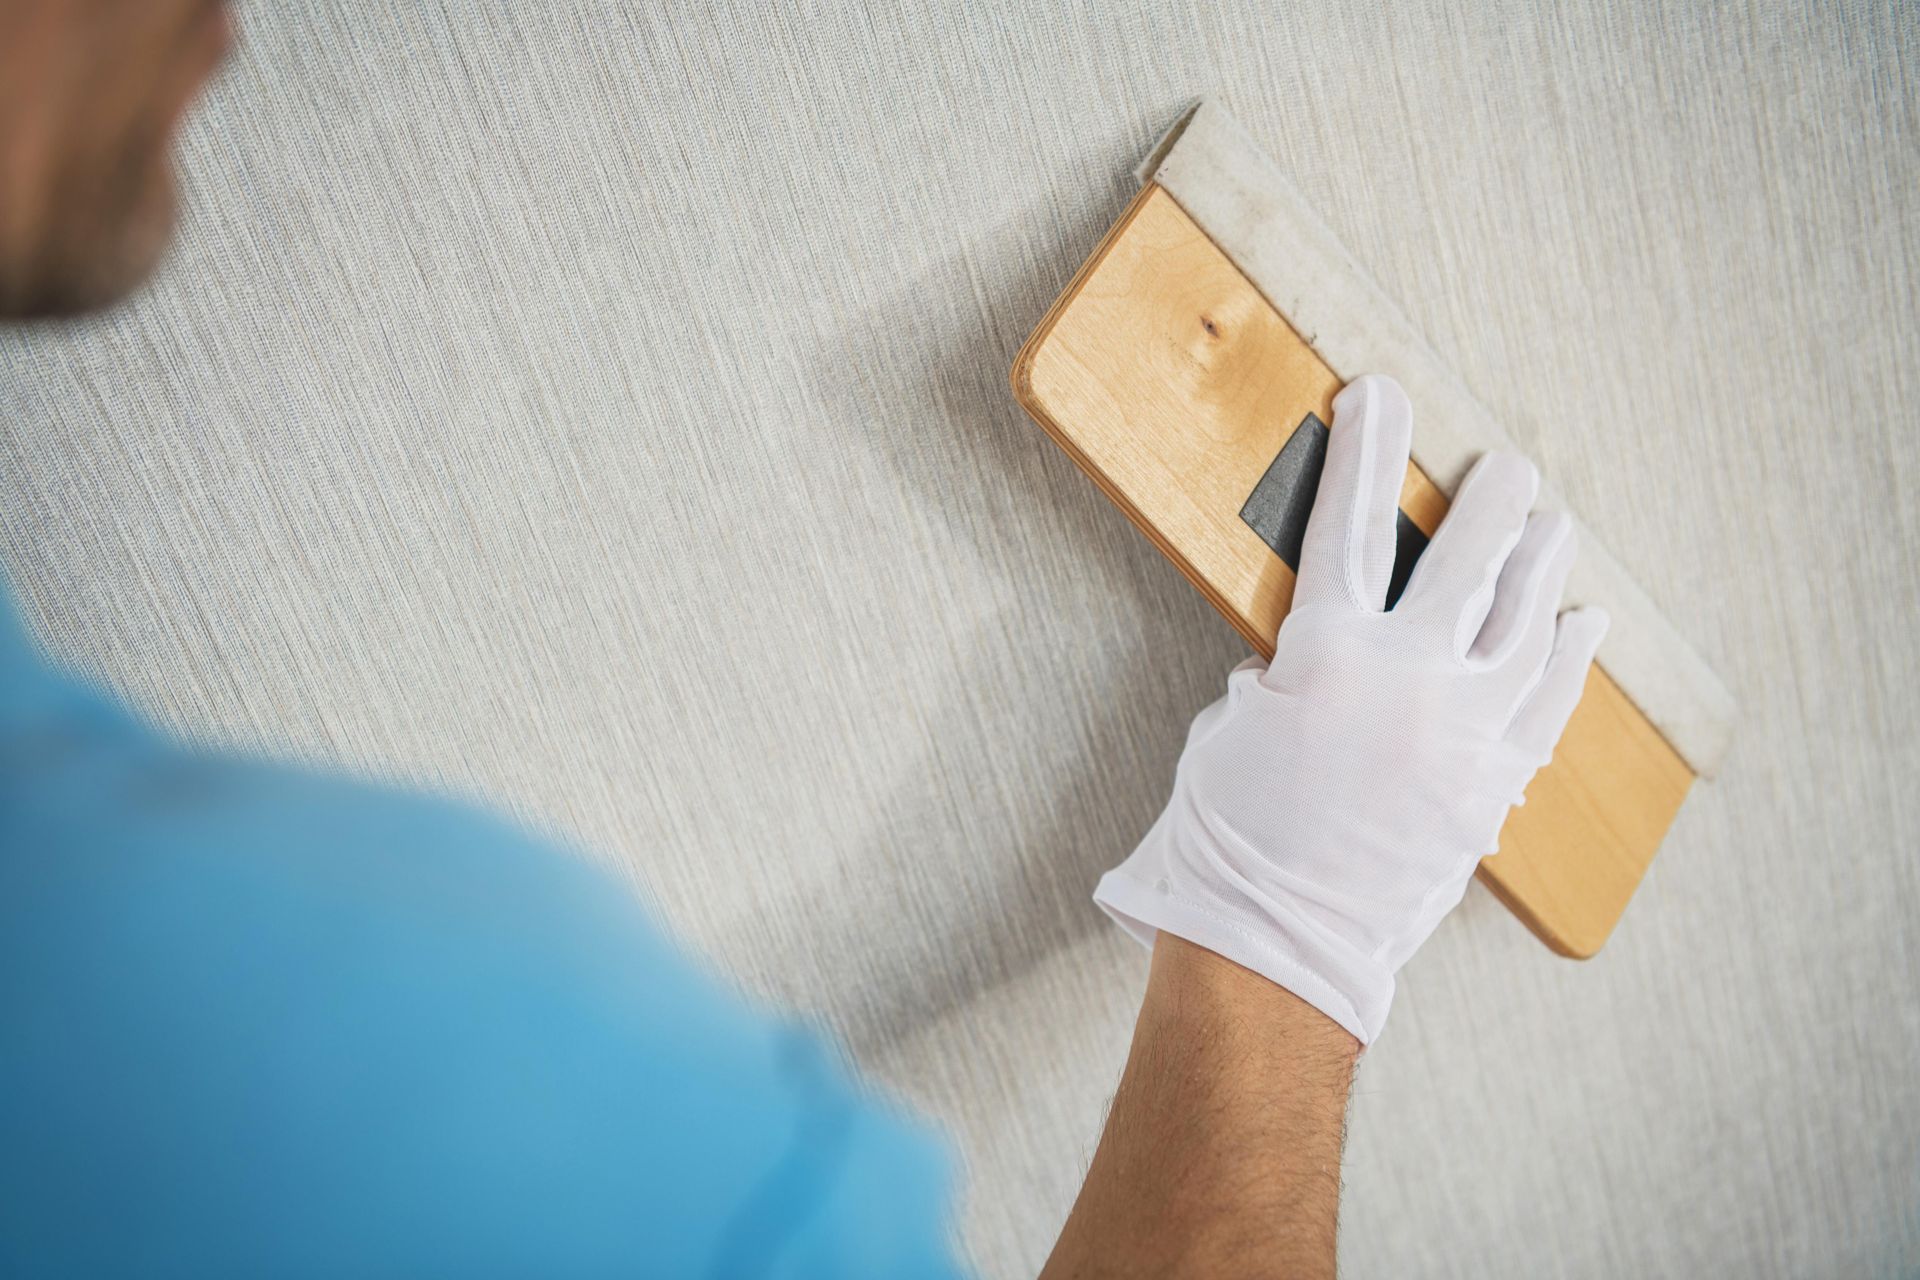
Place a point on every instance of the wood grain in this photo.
(1173, 382)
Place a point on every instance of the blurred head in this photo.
(90, 94)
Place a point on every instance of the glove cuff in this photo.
(1143, 909)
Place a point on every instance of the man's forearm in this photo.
(1221, 1154)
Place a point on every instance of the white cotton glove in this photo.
(1329, 810)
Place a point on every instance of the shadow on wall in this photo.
(1078, 696)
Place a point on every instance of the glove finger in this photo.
(1347, 553)
(1454, 578)
(1543, 716)
(1527, 596)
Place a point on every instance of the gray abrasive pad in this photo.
(1279, 505)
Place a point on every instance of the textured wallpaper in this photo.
(602, 411)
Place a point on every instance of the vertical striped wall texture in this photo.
(602, 411)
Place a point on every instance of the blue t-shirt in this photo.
(259, 1022)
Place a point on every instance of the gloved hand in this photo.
(1329, 810)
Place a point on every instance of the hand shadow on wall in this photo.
(980, 866)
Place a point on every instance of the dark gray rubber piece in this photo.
(1278, 507)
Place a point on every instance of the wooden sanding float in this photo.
(1190, 367)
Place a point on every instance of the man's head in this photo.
(90, 93)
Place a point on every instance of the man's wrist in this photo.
(1222, 1148)
(1193, 985)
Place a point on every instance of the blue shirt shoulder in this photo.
(262, 1022)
